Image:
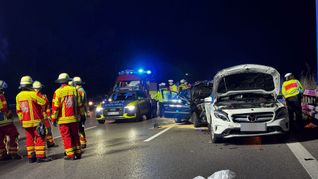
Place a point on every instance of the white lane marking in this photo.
(301, 153)
(158, 134)
(85, 129)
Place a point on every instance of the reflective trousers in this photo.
(34, 143)
(11, 145)
(71, 140)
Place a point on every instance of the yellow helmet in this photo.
(63, 78)
(26, 81)
(37, 85)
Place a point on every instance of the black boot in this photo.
(41, 160)
(70, 158)
(5, 157)
(33, 158)
(16, 157)
(83, 146)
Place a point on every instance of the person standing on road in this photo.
(7, 129)
(183, 85)
(172, 86)
(77, 81)
(66, 104)
(37, 86)
(292, 91)
(29, 107)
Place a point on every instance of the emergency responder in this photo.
(183, 85)
(37, 86)
(7, 129)
(292, 91)
(172, 86)
(159, 98)
(29, 107)
(65, 112)
(77, 81)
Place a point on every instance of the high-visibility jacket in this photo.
(291, 88)
(4, 118)
(182, 87)
(173, 88)
(29, 107)
(46, 110)
(66, 104)
(82, 94)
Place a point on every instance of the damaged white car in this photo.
(244, 103)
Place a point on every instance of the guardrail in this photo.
(310, 103)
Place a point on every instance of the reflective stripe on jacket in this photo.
(291, 88)
(4, 119)
(65, 105)
(82, 94)
(29, 107)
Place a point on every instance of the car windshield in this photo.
(246, 81)
(168, 95)
(124, 96)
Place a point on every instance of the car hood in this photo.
(117, 104)
(246, 78)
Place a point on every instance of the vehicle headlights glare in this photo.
(281, 113)
(130, 108)
(221, 115)
(99, 109)
(176, 101)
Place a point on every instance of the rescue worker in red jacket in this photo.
(29, 108)
(65, 112)
(7, 129)
(77, 81)
(37, 86)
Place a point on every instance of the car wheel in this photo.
(195, 120)
(101, 121)
(214, 138)
(138, 117)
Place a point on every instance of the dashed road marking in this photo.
(303, 156)
(158, 134)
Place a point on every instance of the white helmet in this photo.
(77, 81)
(288, 75)
(182, 81)
(63, 78)
(3, 85)
(37, 85)
(162, 84)
(26, 81)
(170, 81)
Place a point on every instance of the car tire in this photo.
(101, 121)
(214, 138)
(138, 117)
(195, 120)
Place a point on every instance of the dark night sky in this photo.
(95, 39)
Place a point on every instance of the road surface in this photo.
(138, 150)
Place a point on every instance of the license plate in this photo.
(253, 127)
(113, 113)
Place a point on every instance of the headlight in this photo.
(91, 103)
(110, 100)
(221, 115)
(130, 108)
(99, 109)
(281, 113)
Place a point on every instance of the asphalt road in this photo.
(136, 150)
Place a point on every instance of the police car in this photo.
(124, 105)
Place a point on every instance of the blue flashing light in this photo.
(140, 70)
(148, 72)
